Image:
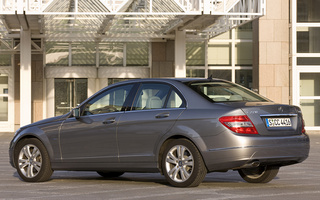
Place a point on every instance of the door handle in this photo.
(162, 115)
(109, 121)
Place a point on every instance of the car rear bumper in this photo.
(251, 151)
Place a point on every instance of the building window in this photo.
(227, 56)
(3, 97)
(219, 73)
(111, 54)
(243, 54)
(308, 39)
(5, 57)
(191, 72)
(5, 60)
(57, 54)
(69, 93)
(117, 80)
(219, 53)
(83, 54)
(308, 61)
(137, 54)
(195, 54)
(310, 98)
(244, 77)
(308, 11)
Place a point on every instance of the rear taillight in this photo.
(303, 130)
(239, 124)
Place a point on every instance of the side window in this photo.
(175, 101)
(151, 96)
(111, 100)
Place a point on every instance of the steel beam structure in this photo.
(106, 19)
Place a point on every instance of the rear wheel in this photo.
(182, 164)
(109, 174)
(262, 174)
(32, 160)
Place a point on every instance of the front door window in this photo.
(69, 93)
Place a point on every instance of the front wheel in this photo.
(182, 164)
(262, 174)
(32, 160)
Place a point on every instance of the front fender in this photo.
(48, 138)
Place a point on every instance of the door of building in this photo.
(69, 93)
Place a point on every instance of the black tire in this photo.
(182, 164)
(110, 174)
(32, 160)
(262, 174)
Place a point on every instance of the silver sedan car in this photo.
(182, 128)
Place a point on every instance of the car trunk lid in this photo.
(272, 119)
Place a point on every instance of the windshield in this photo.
(225, 92)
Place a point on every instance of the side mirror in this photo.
(76, 113)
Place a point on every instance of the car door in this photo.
(155, 110)
(92, 137)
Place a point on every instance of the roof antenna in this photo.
(210, 77)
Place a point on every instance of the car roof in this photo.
(182, 80)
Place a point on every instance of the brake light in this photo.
(303, 130)
(239, 124)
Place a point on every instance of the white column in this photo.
(25, 78)
(180, 54)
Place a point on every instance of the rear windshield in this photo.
(225, 92)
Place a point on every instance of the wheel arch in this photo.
(174, 137)
(36, 134)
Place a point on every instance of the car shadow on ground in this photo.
(228, 179)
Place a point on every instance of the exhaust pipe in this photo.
(252, 164)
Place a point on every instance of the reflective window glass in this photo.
(195, 72)
(137, 54)
(83, 54)
(308, 61)
(175, 101)
(308, 39)
(111, 54)
(5, 60)
(222, 92)
(308, 11)
(195, 54)
(111, 100)
(243, 53)
(57, 54)
(151, 96)
(3, 97)
(69, 93)
(311, 108)
(244, 31)
(244, 77)
(219, 54)
(309, 84)
(223, 74)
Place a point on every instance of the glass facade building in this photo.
(306, 59)
(228, 56)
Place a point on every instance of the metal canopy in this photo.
(120, 20)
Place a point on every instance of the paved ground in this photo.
(301, 181)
